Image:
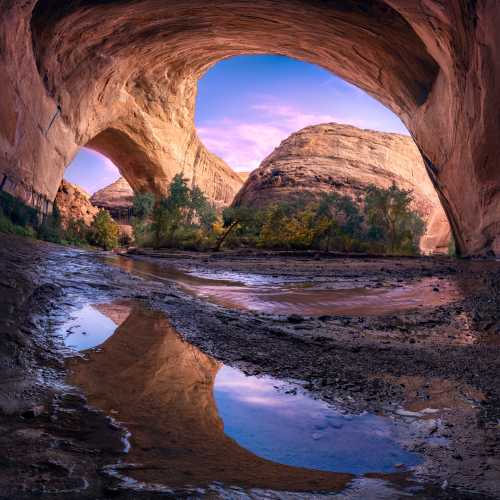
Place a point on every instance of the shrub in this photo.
(286, 229)
(17, 211)
(77, 232)
(104, 231)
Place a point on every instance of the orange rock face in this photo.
(74, 204)
(118, 195)
(121, 76)
(346, 159)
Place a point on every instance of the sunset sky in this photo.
(247, 105)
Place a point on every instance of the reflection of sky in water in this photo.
(87, 328)
(301, 431)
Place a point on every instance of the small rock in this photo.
(295, 318)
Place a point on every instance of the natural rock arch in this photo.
(132, 65)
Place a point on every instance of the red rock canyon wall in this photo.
(121, 76)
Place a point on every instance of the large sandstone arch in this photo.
(132, 65)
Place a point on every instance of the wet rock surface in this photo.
(435, 369)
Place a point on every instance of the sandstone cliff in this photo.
(74, 203)
(117, 196)
(122, 78)
(346, 159)
(243, 175)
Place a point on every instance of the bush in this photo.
(7, 226)
(17, 211)
(143, 205)
(77, 232)
(104, 231)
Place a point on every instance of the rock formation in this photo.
(243, 175)
(121, 76)
(346, 159)
(118, 197)
(74, 203)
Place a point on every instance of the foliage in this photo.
(143, 205)
(104, 232)
(382, 222)
(339, 222)
(241, 226)
(182, 219)
(51, 229)
(391, 220)
(77, 232)
(18, 212)
(7, 226)
(289, 228)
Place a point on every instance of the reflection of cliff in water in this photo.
(161, 388)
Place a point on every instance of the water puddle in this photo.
(195, 422)
(267, 294)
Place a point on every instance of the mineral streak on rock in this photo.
(74, 203)
(345, 159)
(121, 76)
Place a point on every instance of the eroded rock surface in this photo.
(121, 76)
(345, 159)
(117, 196)
(74, 203)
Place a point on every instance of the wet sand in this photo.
(393, 364)
(336, 297)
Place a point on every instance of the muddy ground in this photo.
(444, 357)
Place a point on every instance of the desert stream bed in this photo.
(193, 376)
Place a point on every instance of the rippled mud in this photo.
(271, 295)
(100, 366)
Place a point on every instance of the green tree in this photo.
(288, 227)
(339, 221)
(143, 205)
(391, 219)
(104, 231)
(201, 209)
(183, 218)
(244, 222)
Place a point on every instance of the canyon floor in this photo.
(416, 340)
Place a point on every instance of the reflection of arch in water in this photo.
(162, 389)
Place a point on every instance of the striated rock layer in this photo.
(74, 203)
(346, 159)
(117, 196)
(121, 76)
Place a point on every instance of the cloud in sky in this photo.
(244, 144)
(247, 105)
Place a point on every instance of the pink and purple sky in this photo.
(248, 104)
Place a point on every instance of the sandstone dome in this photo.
(346, 159)
(118, 195)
